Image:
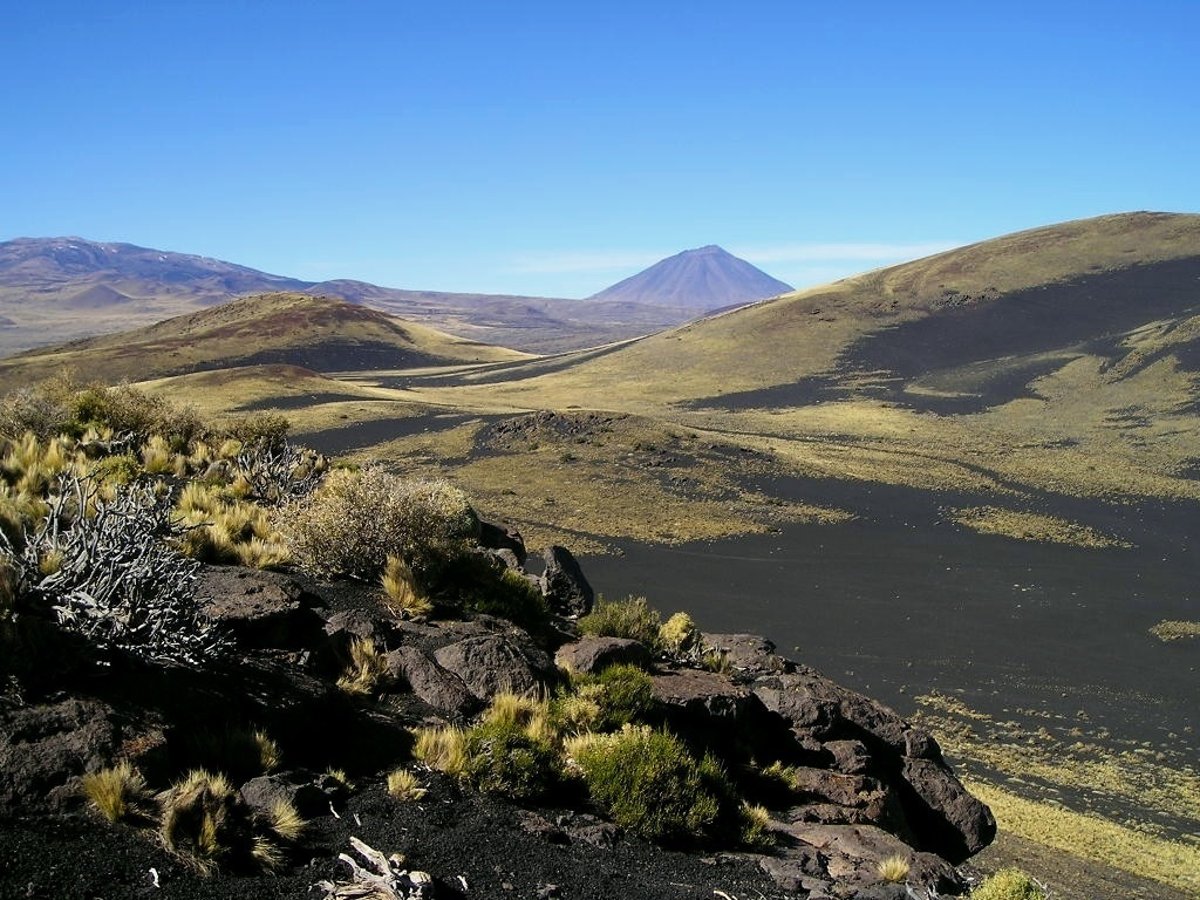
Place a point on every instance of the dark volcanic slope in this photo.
(707, 278)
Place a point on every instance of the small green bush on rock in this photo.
(629, 618)
(651, 785)
(622, 693)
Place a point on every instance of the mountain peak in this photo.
(705, 279)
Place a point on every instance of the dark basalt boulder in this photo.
(502, 537)
(44, 749)
(493, 663)
(592, 653)
(440, 689)
(563, 584)
(309, 798)
(749, 653)
(260, 609)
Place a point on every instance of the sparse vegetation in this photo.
(285, 822)
(205, 822)
(506, 757)
(621, 694)
(1008, 884)
(1175, 630)
(400, 586)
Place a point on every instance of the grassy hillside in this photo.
(317, 333)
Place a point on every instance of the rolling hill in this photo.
(59, 289)
(706, 279)
(316, 333)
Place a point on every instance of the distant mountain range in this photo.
(704, 279)
(58, 289)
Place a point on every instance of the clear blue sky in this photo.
(553, 148)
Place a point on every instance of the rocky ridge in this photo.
(866, 785)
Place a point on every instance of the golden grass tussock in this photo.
(1172, 863)
(531, 715)
(269, 754)
(367, 668)
(892, 869)
(118, 792)
(285, 822)
(1028, 526)
(199, 819)
(756, 821)
(443, 749)
(400, 586)
(404, 785)
(1175, 630)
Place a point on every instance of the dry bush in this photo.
(118, 584)
(356, 520)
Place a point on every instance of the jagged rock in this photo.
(532, 823)
(344, 626)
(700, 694)
(503, 537)
(492, 663)
(563, 584)
(850, 757)
(43, 750)
(748, 653)
(593, 831)
(940, 816)
(260, 609)
(593, 653)
(310, 800)
(959, 824)
(803, 869)
(509, 559)
(442, 690)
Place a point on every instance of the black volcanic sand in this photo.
(360, 435)
(1086, 315)
(895, 604)
(448, 834)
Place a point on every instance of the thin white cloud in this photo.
(845, 252)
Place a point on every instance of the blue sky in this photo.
(554, 148)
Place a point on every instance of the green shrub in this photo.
(504, 758)
(622, 692)
(651, 785)
(1008, 884)
(629, 618)
(356, 520)
(679, 635)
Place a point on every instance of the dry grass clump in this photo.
(679, 635)
(404, 785)
(443, 749)
(756, 820)
(204, 821)
(285, 822)
(367, 668)
(400, 586)
(223, 529)
(892, 869)
(1175, 630)
(357, 519)
(118, 792)
(1008, 884)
